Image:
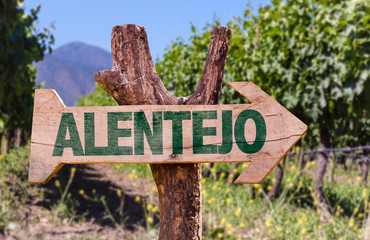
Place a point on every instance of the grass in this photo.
(242, 212)
(229, 212)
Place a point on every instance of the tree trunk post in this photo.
(365, 169)
(8, 140)
(279, 173)
(133, 80)
(333, 162)
(352, 161)
(230, 177)
(322, 162)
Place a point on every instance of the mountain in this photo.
(70, 70)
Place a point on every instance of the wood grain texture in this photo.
(282, 131)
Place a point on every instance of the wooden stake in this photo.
(133, 80)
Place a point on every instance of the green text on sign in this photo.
(154, 136)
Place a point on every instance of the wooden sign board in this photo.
(261, 133)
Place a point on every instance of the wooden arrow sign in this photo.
(261, 133)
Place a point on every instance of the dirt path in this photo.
(89, 217)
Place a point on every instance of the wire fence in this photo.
(341, 151)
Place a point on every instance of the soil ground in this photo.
(90, 221)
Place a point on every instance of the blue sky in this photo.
(92, 21)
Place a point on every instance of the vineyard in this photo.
(310, 56)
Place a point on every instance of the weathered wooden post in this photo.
(133, 80)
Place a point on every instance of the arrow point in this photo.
(250, 91)
(254, 173)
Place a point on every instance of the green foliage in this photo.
(15, 163)
(312, 56)
(97, 98)
(14, 188)
(21, 44)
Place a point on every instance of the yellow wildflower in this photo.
(364, 192)
(256, 186)
(73, 170)
(81, 192)
(231, 176)
(268, 222)
(273, 181)
(304, 230)
(149, 219)
(293, 168)
(212, 200)
(251, 201)
(204, 192)
(278, 229)
(220, 235)
(297, 148)
(223, 221)
(260, 190)
(359, 179)
(257, 230)
(241, 224)
(119, 193)
(154, 189)
(228, 226)
(203, 180)
(244, 165)
(222, 175)
(57, 183)
(228, 190)
(300, 222)
(137, 199)
(155, 209)
(228, 201)
(149, 207)
(351, 222)
(287, 232)
(269, 188)
(238, 212)
(235, 170)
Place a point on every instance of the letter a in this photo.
(68, 121)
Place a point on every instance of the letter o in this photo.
(239, 132)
